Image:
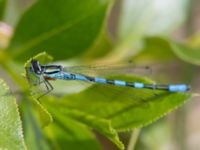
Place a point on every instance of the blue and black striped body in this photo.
(71, 76)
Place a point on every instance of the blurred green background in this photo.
(162, 34)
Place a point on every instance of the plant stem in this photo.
(133, 139)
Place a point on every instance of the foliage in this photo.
(10, 125)
(72, 31)
(2, 7)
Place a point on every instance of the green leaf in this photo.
(161, 49)
(101, 107)
(34, 137)
(10, 124)
(190, 55)
(125, 107)
(156, 49)
(102, 46)
(43, 115)
(103, 126)
(2, 8)
(67, 132)
(65, 29)
(132, 108)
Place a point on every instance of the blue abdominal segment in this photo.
(138, 85)
(178, 87)
(100, 80)
(119, 83)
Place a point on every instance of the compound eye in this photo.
(36, 66)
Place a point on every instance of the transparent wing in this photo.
(110, 70)
(111, 93)
(37, 84)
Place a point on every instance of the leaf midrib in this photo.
(44, 36)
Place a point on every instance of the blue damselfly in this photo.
(45, 73)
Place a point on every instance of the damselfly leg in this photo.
(48, 86)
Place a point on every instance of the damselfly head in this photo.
(36, 67)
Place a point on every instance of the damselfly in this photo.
(44, 73)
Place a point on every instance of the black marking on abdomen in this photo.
(92, 79)
(131, 84)
(110, 82)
